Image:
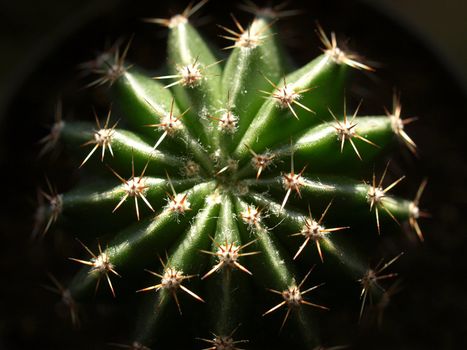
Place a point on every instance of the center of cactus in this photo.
(228, 122)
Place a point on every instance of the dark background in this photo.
(41, 47)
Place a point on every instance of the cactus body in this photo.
(230, 183)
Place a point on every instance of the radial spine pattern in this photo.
(228, 181)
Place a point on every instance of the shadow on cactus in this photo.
(227, 185)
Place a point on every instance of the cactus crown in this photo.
(223, 175)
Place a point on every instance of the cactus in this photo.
(227, 186)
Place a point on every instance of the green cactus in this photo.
(225, 183)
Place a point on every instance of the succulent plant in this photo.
(230, 191)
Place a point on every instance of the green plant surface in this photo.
(227, 184)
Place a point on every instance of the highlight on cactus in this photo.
(223, 192)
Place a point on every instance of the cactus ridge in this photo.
(222, 175)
